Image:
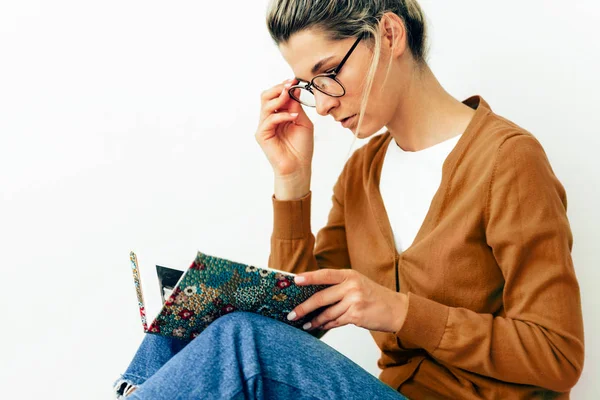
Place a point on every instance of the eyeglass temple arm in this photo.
(347, 55)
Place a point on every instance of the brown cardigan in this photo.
(494, 305)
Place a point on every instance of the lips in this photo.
(346, 122)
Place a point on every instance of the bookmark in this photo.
(138, 289)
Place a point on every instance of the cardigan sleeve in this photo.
(539, 339)
(293, 247)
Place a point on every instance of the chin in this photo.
(366, 131)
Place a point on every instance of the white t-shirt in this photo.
(409, 180)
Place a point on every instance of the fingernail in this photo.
(306, 326)
(299, 279)
(291, 316)
(287, 85)
(294, 115)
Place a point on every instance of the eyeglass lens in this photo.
(325, 84)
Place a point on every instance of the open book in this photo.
(212, 287)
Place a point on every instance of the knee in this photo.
(235, 319)
(230, 327)
(241, 323)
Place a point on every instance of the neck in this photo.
(427, 114)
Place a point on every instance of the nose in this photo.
(324, 103)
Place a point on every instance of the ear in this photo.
(393, 34)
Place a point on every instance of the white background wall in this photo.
(130, 125)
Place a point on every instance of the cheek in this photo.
(352, 98)
(377, 105)
(377, 115)
(375, 109)
(354, 82)
(382, 105)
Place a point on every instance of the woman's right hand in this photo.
(285, 133)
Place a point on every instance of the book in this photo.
(167, 280)
(212, 287)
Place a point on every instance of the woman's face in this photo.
(310, 48)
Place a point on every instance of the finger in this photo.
(325, 276)
(295, 107)
(322, 298)
(333, 324)
(279, 103)
(273, 92)
(332, 316)
(272, 121)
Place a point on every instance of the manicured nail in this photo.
(299, 279)
(287, 85)
(291, 316)
(306, 326)
(294, 115)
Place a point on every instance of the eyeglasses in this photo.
(326, 83)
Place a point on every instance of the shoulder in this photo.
(509, 143)
(497, 140)
(512, 160)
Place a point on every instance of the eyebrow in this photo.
(318, 66)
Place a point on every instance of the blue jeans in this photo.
(244, 355)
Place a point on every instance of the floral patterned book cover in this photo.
(212, 287)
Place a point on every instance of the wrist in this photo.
(292, 187)
(401, 308)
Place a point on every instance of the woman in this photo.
(448, 237)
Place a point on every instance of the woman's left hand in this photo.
(353, 299)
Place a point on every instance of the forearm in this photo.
(292, 241)
(293, 246)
